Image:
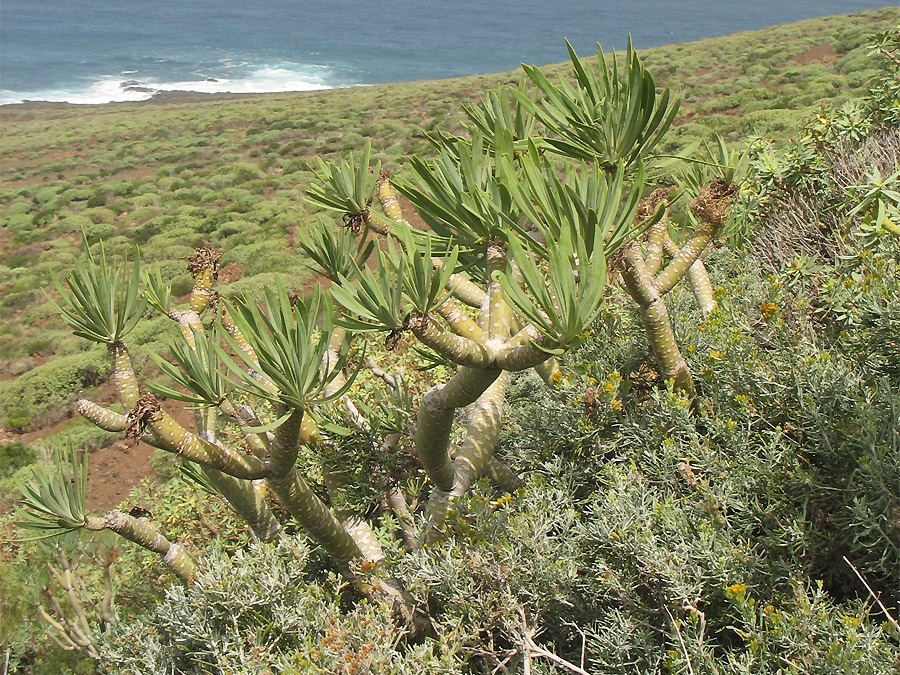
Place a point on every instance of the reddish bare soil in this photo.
(113, 470)
(823, 52)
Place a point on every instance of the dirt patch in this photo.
(113, 471)
(230, 273)
(824, 53)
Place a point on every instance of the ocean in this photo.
(99, 51)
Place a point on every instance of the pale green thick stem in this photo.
(106, 419)
(242, 343)
(460, 322)
(245, 416)
(460, 288)
(142, 533)
(285, 446)
(248, 499)
(302, 503)
(549, 371)
(890, 226)
(331, 357)
(519, 352)
(188, 321)
(482, 433)
(202, 293)
(353, 523)
(502, 476)
(460, 350)
(173, 437)
(669, 360)
(516, 353)
(683, 259)
(496, 317)
(317, 520)
(364, 536)
(466, 291)
(701, 287)
(397, 503)
(389, 202)
(656, 237)
(338, 335)
(657, 324)
(699, 280)
(123, 375)
(435, 420)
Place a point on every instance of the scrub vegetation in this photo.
(604, 377)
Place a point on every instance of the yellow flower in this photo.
(615, 404)
(501, 501)
(737, 590)
(767, 309)
(713, 354)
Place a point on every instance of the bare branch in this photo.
(874, 596)
(681, 640)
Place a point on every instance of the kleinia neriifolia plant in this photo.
(530, 217)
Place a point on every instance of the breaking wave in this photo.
(127, 86)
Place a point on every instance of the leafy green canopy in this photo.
(105, 304)
(603, 117)
(53, 503)
(198, 370)
(291, 342)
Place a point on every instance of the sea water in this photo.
(98, 51)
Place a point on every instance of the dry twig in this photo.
(874, 596)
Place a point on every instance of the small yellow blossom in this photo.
(501, 501)
(737, 590)
(768, 309)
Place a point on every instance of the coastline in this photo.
(159, 97)
(163, 95)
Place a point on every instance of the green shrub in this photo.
(97, 199)
(18, 208)
(18, 420)
(95, 232)
(53, 382)
(14, 456)
(100, 215)
(256, 610)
